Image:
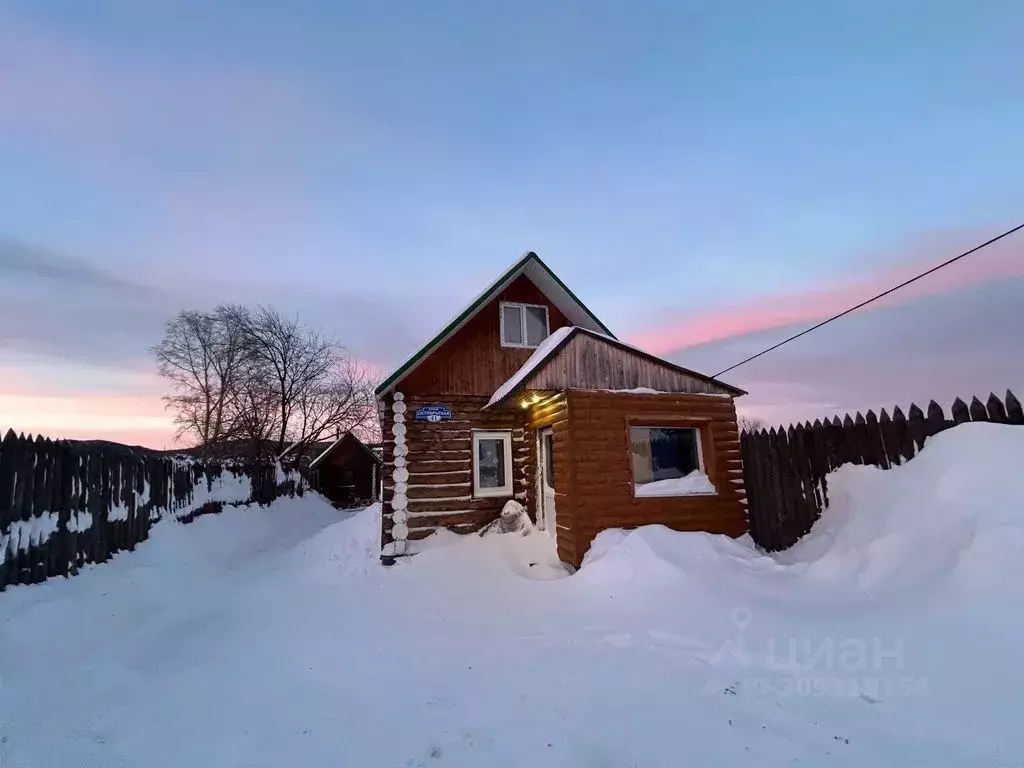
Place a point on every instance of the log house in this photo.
(526, 395)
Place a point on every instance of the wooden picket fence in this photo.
(63, 504)
(784, 469)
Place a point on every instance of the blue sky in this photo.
(373, 167)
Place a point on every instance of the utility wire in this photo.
(864, 303)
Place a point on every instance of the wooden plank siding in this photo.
(440, 460)
(472, 361)
(601, 485)
(589, 362)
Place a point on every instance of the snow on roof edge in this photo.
(326, 451)
(372, 453)
(542, 353)
(286, 451)
(650, 391)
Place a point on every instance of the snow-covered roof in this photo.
(553, 343)
(540, 275)
(286, 451)
(327, 451)
(540, 355)
(323, 455)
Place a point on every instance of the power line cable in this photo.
(864, 303)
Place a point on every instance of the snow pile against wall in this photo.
(953, 515)
(951, 518)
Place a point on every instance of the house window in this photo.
(667, 461)
(523, 325)
(492, 463)
(348, 478)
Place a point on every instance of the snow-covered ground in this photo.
(272, 637)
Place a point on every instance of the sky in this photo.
(707, 177)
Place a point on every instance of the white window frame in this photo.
(700, 458)
(506, 489)
(522, 323)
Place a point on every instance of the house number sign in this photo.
(434, 413)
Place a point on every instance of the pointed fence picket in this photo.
(784, 469)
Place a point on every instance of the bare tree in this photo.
(257, 376)
(293, 360)
(201, 355)
(750, 424)
(254, 411)
(343, 400)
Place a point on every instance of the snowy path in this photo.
(271, 637)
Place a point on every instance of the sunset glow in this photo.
(812, 305)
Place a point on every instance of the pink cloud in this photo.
(32, 405)
(136, 420)
(1002, 260)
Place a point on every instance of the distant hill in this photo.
(86, 444)
(236, 450)
(242, 451)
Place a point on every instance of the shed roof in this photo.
(327, 452)
(540, 275)
(554, 343)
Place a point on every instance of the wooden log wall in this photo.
(601, 487)
(64, 504)
(785, 468)
(428, 468)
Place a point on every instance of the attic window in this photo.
(523, 325)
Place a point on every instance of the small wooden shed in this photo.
(347, 472)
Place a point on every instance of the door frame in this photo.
(549, 526)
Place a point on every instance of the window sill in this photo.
(508, 345)
(694, 484)
(496, 493)
(674, 495)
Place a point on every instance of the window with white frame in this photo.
(523, 325)
(492, 463)
(667, 461)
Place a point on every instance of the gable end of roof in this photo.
(489, 294)
(540, 360)
(330, 449)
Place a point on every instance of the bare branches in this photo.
(750, 424)
(261, 377)
(201, 355)
(296, 361)
(340, 401)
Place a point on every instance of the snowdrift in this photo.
(270, 636)
(953, 517)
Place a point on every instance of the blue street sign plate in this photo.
(434, 413)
